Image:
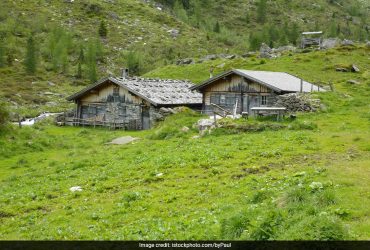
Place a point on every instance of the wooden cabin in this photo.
(311, 39)
(130, 103)
(245, 89)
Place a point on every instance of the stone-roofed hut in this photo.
(131, 102)
(247, 89)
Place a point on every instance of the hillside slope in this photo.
(66, 37)
(308, 180)
(274, 22)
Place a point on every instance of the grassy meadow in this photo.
(297, 179)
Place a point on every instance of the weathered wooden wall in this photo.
(227, 90)
(112, 103)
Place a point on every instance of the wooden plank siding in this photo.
(102, 93)
(111, 104)
(224, 92)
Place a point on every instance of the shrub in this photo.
(326, 198)
(233, 227)
(4, 117)
(317, 228)
(260, 196)
(296, 195)
(131, 197)
(268, 226)
(171, 126)
(302, 125)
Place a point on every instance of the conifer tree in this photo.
(81, 59)
(261, 11)
(134, 62)
(180, 12)
(91, 62)
(2, 53)
(103, 31)
(30, 61)
(217, 28)
(59, 44)
(294, 34)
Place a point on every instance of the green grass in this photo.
(318, 66)
(307, 179)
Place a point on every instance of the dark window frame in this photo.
(263, 100)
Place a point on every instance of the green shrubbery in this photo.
(172, 126)
(229, 126)
(4, 117)
(303, 212)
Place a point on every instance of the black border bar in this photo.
(148, 245)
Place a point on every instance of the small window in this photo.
(215, 99)
(230, 100)
(263, 100)
(222, 99)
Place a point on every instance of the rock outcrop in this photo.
(346, 42)
(185, 61)
(330, 43)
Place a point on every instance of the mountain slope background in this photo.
(274, 22)
(50, 48)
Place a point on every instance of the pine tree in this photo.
(59, 44)
(91, 62)
(9, 58)
(134, 62)
(180, 12)
(79, 70)
(339, 30)
(294, 34)
(274, 35)
(217, 28)
(103, 32)
(255, 41)
(81, 59)
(333, 29)
(247, 18)
(261, 11)
(30, 61)
(2, 53)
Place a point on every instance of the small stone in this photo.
(122, 140)
(353, 82)
(355, 68)
(76, 189)
(209, 58)
(185, 129)
(205, 124)
(230, 57)
(342, 69)
(248, 54)
(347, 43)
(185, 61)
(174, 33)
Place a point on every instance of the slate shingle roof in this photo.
(156, 91)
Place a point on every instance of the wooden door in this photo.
(245, 103)
(253, 102)
(145, 118)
